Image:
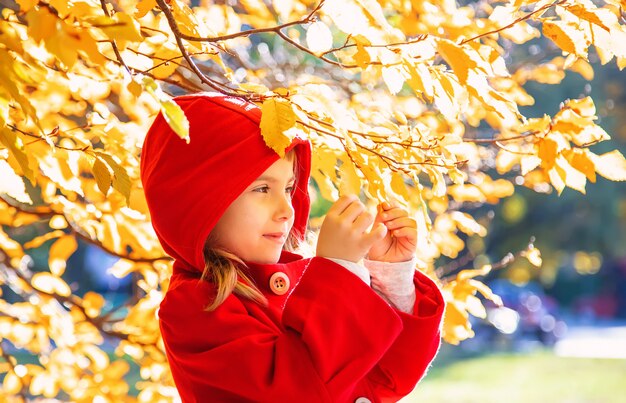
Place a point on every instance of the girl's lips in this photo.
(277, 237)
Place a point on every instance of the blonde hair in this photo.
(229, 273)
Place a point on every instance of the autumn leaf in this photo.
(60, 251)
(319, 39)
(50, 284)
(611, 165)
(102, 175)
(173, 114)
(12, 184)
(277, 117)
(534, 256)
(567, 37)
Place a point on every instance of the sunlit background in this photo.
(561, 334)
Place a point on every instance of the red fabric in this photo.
(329, 339)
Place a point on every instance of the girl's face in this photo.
(255, 226)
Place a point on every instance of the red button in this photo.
(279, 283)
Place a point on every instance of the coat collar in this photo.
(270, 278)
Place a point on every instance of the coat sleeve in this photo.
(408, 358)
(334, 330)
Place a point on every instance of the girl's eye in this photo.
(266, 189)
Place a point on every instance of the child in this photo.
(243, 319)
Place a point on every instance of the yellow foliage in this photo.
(412, 101)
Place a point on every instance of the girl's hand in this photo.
(399, 243)
(344, 232)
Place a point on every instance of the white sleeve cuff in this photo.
(355, 268)
(394, 282)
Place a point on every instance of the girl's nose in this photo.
(284, 209)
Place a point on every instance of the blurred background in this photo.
(561, 334)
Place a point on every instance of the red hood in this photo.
(189, 186)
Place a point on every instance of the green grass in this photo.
(536, 377)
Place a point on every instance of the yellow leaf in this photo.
(398, 189)
(60, 251)
(143, 6)
(50, 284)
(362, 57)
(589, 14)
(44, 384)
(583, 68)
(12, 384)
(557, 178)
(567, 36)
(173, 114)
(93, 303)
(121, 181)
(42, 23)
(611, 165)
(16, 146)
(319, 39)
(579, 160)
(465, 275)
(349, 181)
(9, 78)
(394, 77)
(457, 57)
(26, 5)
(583, 106)
(277, 117)
(102, 175)
(506, 160)
(528, 163)
(421, 80)
(467, 224)
(99, 359)
(121, 27)
(39, 240)
(62, 168)
(534, 256)
(12, 184)
(9, 246)
(573, 177)
(547, 152)
(258, 9)
(466, 193)
(58, 222)
(352, 17)
(456, 326)
(110, 234)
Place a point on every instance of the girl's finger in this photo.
(407, 233)
(393, 213)
(377, 233)
(352, 212)
(341, 204)
(401, 222)
(363, 221)
(390, 204)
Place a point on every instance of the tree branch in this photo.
(113, 44)
(178, 35)
(527, 16)
(305, 20)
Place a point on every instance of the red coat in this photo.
(330, 338)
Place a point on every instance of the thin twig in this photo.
(249, 32)
(527, 16)
(40, 138)
(181, 46)
(113, 44)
